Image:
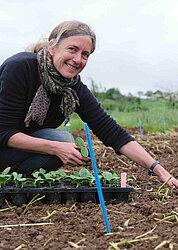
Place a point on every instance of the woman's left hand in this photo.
(164, 175)
(136, 153)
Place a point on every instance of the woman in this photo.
(41, 89)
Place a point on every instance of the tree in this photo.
(158, 93)
(113, 93)
(149, 93)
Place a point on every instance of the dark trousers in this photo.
(28, 162)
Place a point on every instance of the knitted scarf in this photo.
(52, 83)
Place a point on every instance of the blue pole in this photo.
(164, 125)
(67, 127)
(98, 185)
(140, 128)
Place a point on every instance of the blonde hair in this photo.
(63, 31)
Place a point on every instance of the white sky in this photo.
(137, 40)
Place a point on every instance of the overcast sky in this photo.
(137, 40)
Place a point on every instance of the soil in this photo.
(81, 225)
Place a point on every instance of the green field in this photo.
(128, 113)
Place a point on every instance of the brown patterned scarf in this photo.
(52, 83)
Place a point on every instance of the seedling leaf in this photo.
(107, 176)
(84, 151)
(6, 171)
(79, 141)
(84, 173)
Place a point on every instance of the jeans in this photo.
(28, 162)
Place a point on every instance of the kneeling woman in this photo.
(39, 90)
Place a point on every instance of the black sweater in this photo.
(19, 81)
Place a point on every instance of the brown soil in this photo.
(81, 226)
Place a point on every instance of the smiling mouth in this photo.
(71, 67)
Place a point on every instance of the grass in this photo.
(149, 112)
(151, 116)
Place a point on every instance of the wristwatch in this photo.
(150, 171)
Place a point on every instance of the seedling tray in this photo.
(62, 192)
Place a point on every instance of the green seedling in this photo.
(80, 142)
(18, 178)
(41, 177)
(5, 176)
(109, 177)
(54, 175)
(61, 175)
(6, 171)
(82, 176)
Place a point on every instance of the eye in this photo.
(72, 49)
(85, 55)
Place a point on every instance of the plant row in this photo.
(83, 176)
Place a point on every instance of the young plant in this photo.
(109, 177)
(18, 178)
(82, 176)
(41, 176)
(60, 174)
(5, 176)
(80, 142)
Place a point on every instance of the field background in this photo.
(128, 111)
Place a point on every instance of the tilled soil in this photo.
(136, 224)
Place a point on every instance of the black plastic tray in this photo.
(62, 193)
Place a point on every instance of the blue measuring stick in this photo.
(98, 185)
(140, 128)
(164, 125)
(67, 127)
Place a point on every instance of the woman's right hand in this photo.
(66, 151)
(69, 153)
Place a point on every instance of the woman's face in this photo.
(71, 55)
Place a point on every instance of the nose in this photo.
(77, 58)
